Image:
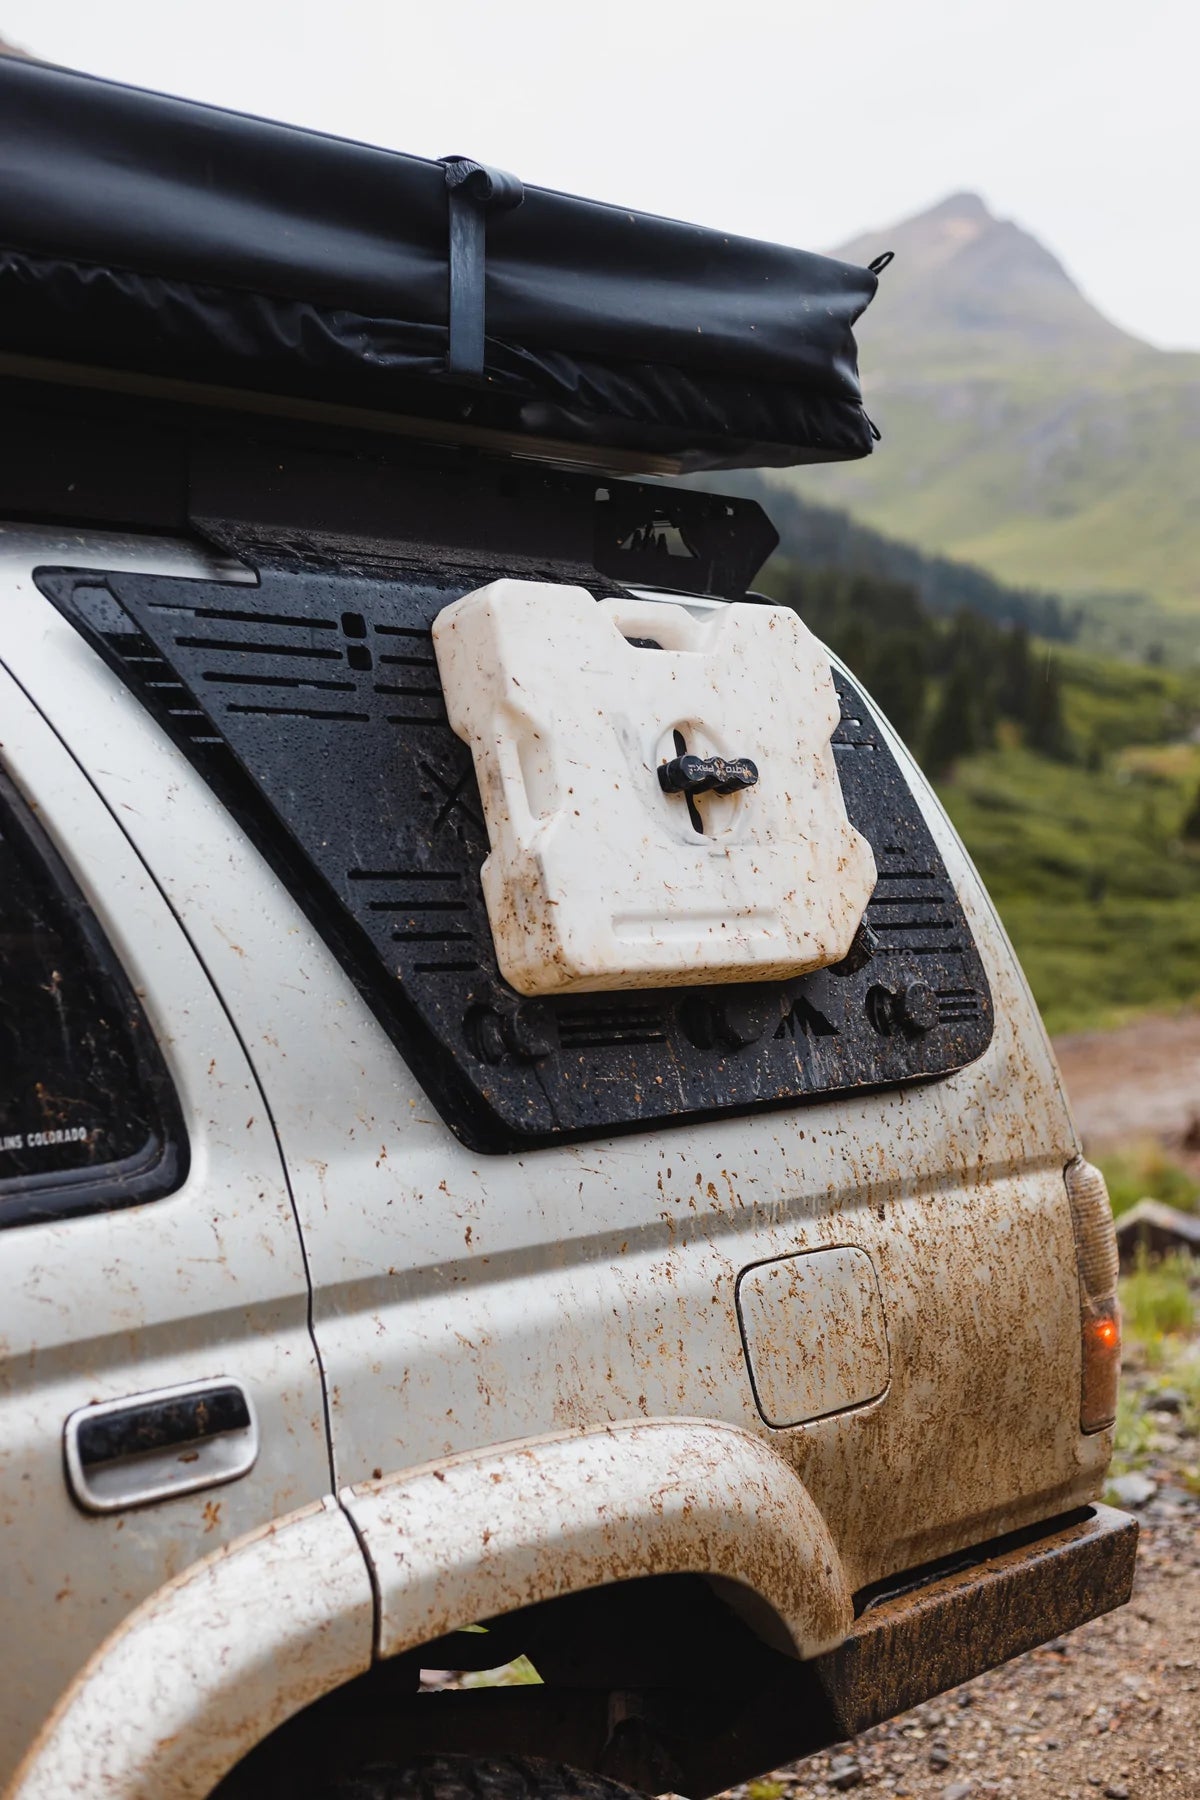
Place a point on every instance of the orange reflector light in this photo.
(1107, 1331)
(1101, 1364)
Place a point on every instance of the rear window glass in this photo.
(88, 1118)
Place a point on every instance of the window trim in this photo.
(161, 1166)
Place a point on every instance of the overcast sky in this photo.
(806, 121)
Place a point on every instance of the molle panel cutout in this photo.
(601, 874)
(814, 1334)
(312, 706)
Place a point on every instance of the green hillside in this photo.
(1073, 779)
(1024, 432)
(1095, 882)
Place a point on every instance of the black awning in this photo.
(160, 236)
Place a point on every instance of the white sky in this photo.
(805, 121)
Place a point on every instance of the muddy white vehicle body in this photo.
(751, 1412)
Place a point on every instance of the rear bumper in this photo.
(922, 1633)
(935, 1631)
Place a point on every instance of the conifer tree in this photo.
(897, 679)
(954, 728)
(1045, 727)
(1190, 828)
(1014, 673)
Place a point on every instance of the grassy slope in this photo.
(1099, 895)
(1038, 478)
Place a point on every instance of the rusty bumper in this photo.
(923, 1633)
(936, 1631)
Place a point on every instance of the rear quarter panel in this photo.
(463, 1300)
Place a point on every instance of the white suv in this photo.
(521, 1133)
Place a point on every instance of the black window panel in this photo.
(88, 1116)
(346, 774)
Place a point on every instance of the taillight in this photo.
(1100, 1316)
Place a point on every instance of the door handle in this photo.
(156, 1445)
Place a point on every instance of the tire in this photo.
(476, 1778)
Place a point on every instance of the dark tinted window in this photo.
(88, 1118)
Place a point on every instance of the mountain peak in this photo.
(972, 208)
(977, 284)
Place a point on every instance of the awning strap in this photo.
(474, 192)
